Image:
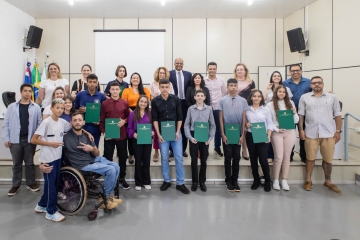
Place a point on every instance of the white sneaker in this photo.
(285, 185)
(56, 217)
(61, 196)
(276, 185)
(39, 209)
(137, 188)
(147, 187)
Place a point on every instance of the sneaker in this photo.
(61, 196)
(124, 184)
(236, 186)
(13, 191)
(285, 185)
(218, 152)
(138, 188)
(230, 187)
(308, 186)
(182, 189)
(33, 187)
(332, 187)
(56, 217)
(39, 209)
(110, 203)
(165, 186)
(112, 198)
(147, 187)
(276, 185)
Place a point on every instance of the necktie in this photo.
(181, 93)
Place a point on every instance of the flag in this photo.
(28, 73)
(44, 74)
(36, 79)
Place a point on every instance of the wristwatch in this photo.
(339, 131)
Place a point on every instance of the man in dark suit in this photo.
(180, 80)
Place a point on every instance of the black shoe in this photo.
(124, 184)
(291, 159)
(230, 187)
(185, 154)
(33, 187)
(303, 160)
(171, 154)
(218, 152)
(165, 186)
(203, 187)
(131, 159)
(182, 189)
(267, 187)
(194, 187)
(236, 186)
(246, 158)
(255, 184)
(13, 191)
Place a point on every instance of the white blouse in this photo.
(270, 94)
(262, 114)
(282, 106)
(49, 86)
(155, 90)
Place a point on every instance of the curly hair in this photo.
(156, 74)
(192, 82)
(275, 99)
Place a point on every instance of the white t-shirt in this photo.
(51, 131)
(269, 95)
(47, 110)
(49, 86)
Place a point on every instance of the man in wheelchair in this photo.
(84, 156)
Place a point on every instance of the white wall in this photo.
(14, 24)
(256, 42)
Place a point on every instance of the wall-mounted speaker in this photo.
(296, 40)
(34, 37)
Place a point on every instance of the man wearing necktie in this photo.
(180, 80)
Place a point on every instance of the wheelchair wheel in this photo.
(73, 186)
(92, 215)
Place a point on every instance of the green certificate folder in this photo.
(232, 133)
(168, 130)
(121, 91)
(111, 128)
(285, 119)
(144, 134)
(201, 131)
(92, 114)
(259, 132)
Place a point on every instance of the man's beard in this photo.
(76, 129)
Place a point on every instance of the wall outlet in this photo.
(357, 129)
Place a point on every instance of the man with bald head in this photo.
(180, 80)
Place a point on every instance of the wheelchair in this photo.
(76, 186)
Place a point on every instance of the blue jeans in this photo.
(51, 183)
(111, 171)
(217, 141)
(178, 151)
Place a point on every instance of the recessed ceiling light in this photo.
(250, 2)
(71, 2)
(163, 2)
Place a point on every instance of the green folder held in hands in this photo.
(92, 114)
(168, 130)
(111, 128)
(285, 119)
(201, 131)
(144, 134)
(232, 133)
(259, 132)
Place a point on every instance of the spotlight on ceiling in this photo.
(71, 2)
(249, 2)
(163, 2)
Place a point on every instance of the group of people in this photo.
(180, 97)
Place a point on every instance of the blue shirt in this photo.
(66, 117)
(298, 89)
(11, 127)
(84, 97)
(122, 84)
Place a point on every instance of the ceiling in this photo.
(153, 8)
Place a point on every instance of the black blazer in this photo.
(190, 93)
(187, 79)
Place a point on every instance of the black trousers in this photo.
(142, 163)
(184, 109)
(258, 151)
(302, 152)
(130, 142)
(231, 161)
(121, 150)
(194, 150)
